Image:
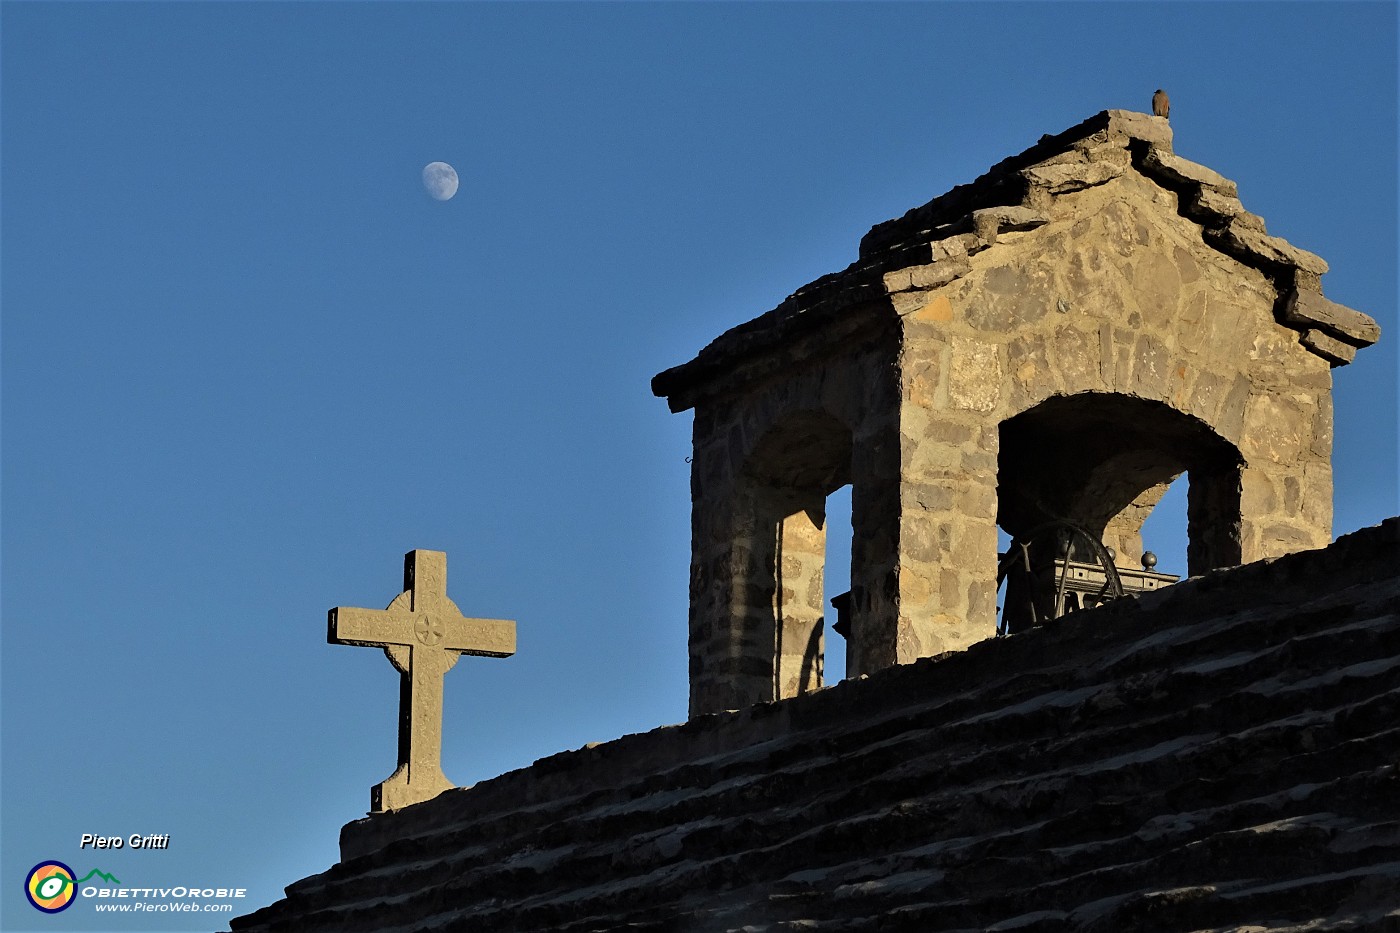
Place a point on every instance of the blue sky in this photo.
(248, 362)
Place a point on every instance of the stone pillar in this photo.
(874, 551)
(756, 619)
(930, 502)
(1285, 508)
(798, 600)
(948, 539)
(1286, 482)
(752, 596)
(761, 472)
(924, 553)
(716, 644)
(1213, 519)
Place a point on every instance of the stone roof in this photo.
(932, 245)
(1222, 753)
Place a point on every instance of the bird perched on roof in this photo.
(1161, 105)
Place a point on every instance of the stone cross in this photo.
(423, 633)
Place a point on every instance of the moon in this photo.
(441, 180)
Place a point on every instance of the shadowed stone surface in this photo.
(1221, 755)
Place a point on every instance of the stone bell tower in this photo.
(1058, 340)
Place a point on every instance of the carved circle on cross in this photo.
(428, 630)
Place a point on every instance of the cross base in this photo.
(399, 790)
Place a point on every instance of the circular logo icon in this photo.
(49, 887)
(428, 630)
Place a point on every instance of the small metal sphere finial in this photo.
(1149, 560)
(1112, 554)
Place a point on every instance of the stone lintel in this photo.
(1311, 309)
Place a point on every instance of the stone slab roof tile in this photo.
(1310, 309)
(1245, 241)
(1158, 163)
(1216, 755)
(1335, 351)
(1012, 195)
(1065, 177)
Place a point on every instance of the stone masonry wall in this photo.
(1059, 340)
(762, 468)
(1114, 293)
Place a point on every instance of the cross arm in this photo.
(379, 628)
(491, 638)
(369, 628)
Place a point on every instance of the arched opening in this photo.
(780, 551)
(1104, 462)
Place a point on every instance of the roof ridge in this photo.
(902, 259)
